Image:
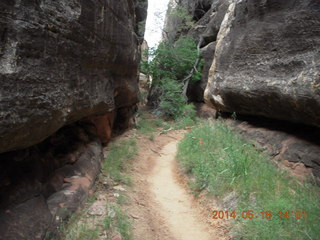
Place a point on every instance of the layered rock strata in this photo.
(267, 61)
(68, 77)
(61, 61)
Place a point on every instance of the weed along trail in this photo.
(176, 205)
(141, 195)
(162, 207)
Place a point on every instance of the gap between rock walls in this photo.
(74, 77)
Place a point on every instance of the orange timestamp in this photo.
(251, 214)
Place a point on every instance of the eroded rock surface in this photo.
(42, 185)
(207, 16)
(267, 61)
(68, 78)
(293, 146)
(61, 61)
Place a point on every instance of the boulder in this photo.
(62, 61)
(267, 61)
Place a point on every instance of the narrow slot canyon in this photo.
(81, 79)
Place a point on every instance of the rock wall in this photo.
(206, 17)
(291, 146)
(266, 55)
(262, 59)
(294, 147)
(267, 61)
(68, 78)
(61, 61)
(46, 183)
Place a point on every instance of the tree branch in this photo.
(187, 79)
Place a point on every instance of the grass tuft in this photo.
(118, 220)
(83, 226)
(83, 232)
(118, 160)
(147, 124)
(222, 163)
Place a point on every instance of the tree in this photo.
(172, 68)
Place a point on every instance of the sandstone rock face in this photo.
(62, 61)
(46, 183)
(68, 77)
(104, 126)
(12, 221)
(267, 61)
(207, 16)
(144, 51)
(292, 146)
(180, 12)
(196, 90)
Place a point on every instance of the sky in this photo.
(155, 20)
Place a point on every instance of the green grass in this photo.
(82, 231)
(118, 160)
(82, 226)
(118, 220)
(182, 123)
(223, 163)
(89, 228)
(147, 126)
(122, 199)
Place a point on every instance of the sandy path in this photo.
(161, 206)
(177, 205)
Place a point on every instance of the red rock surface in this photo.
(104, 126)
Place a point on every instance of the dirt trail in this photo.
(162, 208)
(175, 203)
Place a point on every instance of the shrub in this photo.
(172, 102)
(170, 64)
(117, 159)
(171, 60)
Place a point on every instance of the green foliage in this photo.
(172, 102)
(82, 231)
(145, 126)
(185, 122)
(148, 126)
(90, 227)
(171, 61)
(189, 118)
(144, 65)
(118, 158)
(143, 95)
(141, 28)
(223, 163)
(198, 74)
(170, 65)
(181, 15)
(118, 220)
